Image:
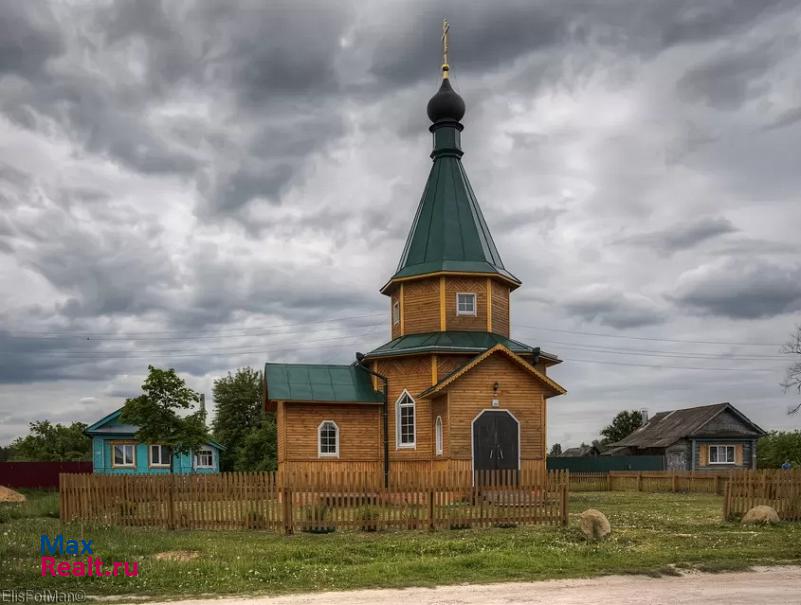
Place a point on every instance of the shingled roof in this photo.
(666, 428)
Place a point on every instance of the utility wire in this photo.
(96, 336)
(655, 353)
(651, 338)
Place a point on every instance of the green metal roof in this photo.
(319, 382)
(449, 232)
(453, 342)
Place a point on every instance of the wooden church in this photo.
(450, 390)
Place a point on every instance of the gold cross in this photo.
(445, 68)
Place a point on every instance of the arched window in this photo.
(438, 436)
(328, 439)
(404, 421)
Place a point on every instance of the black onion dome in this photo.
(446, 104)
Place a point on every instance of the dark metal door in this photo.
(495, 441)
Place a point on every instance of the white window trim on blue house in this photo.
(204, 450)
(163, 452)
(125, 447)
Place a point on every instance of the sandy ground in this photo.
(763, 586)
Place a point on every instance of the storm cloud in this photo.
(208, 185)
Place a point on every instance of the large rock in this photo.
(9, 495)
(761, 515)
(594, 524)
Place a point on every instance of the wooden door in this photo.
(496, 443)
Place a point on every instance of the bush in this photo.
(369, 516)
(411, 516)
(773, 449)
(315, 519)
(456, 513)
(255, 520)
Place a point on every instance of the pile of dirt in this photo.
(761, 515)
(594, 524)
(9, 495)
(177, 555)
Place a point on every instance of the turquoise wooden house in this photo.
(116, 451)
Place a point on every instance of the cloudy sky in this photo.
(207, 185)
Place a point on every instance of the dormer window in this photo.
(395, 313)
(465, 303)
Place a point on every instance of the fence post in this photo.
(563, 504)
(171, 502)
(288, 524)
(727, 501)
(431, 508)
(639, 481)
(674, 482)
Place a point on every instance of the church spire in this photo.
(449, 234)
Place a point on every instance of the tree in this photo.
(792, 379)
(556, 449)
(52, 442)
(258, 449)
(4, 453)
(238, 411)
(776, 447)
(623, 425)
(155, 412)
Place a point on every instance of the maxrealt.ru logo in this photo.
(90, 566)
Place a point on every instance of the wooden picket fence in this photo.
(651, 481)
(780, 489)
(316, 502)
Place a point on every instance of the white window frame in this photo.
(124, 464)
(406, 404)
(472, 313)
(162, 450)
(724, 447)
(320, 453)
(196, 457)
(438, 449)
(396, 313)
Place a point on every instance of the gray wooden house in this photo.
(707, 437)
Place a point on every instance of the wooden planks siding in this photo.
(474, 285)
(500, 308)
(359, 430)
(420, 307)
(517, 393)
(412, 373)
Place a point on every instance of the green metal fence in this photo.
(604, 464)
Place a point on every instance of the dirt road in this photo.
(763, 586)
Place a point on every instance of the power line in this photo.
(160, 353)
(668, 354)
(100, 351)
(664, 367)
(96, 336)
(650, 338)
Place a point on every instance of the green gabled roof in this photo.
(319, 383)
(449, 232)
(449, 342)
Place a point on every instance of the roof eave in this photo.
(509, 279)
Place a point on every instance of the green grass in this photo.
(652, 534)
